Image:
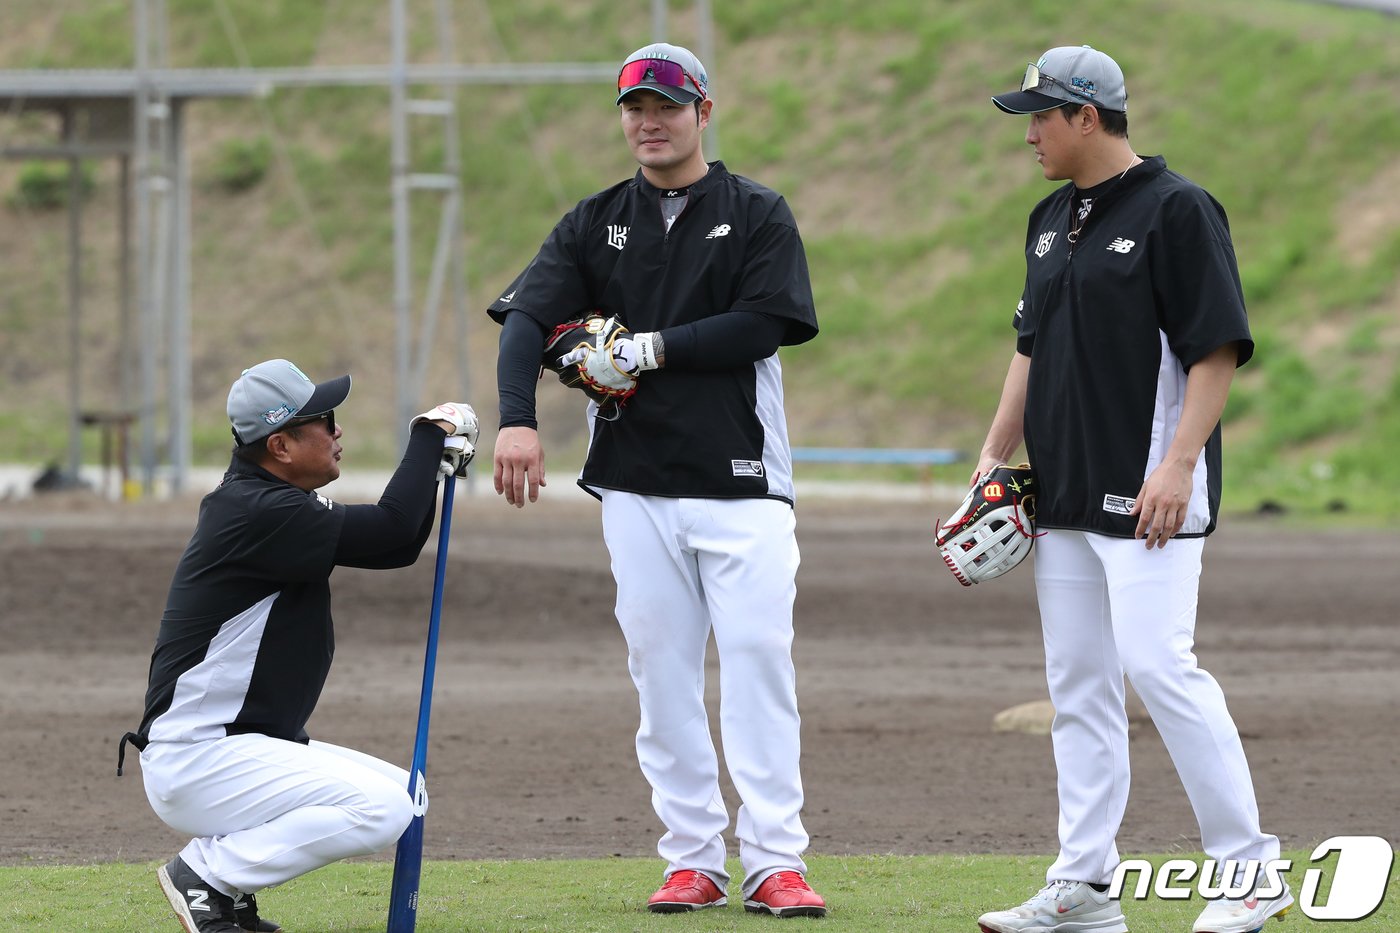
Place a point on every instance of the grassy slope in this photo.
(871, 117)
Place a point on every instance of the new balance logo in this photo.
(617, 236)
(721, 230)
(197, 899)
(1121, 245)
(510, 297)
(1046, 241)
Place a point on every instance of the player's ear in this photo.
(277, 447)
(1087, 118)
(702, 112)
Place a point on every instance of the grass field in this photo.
(867, 894)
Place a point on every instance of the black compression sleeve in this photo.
(392, 532)
(517, 369)
(723, 341)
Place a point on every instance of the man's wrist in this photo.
(651, 351)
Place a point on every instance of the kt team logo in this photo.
(1358, 880)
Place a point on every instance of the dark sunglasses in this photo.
(662, 71)
(328, 418)
(1035, 79)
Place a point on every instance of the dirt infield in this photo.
(900, 672)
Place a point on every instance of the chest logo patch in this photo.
(747, 467)
(617, 236)
(1118, 505)
(1047, 240)
(719, 231)
(329, 504)
(1121, 245)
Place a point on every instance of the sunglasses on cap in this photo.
(1036, 79)
(662, 71)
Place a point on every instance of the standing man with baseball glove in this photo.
(1129, 330)
(694, 278)
(245, 646)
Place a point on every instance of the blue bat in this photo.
(408, 857)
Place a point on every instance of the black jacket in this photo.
(734, 248)
(1112, 323)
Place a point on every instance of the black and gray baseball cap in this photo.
(1068, 74)
(272, 393)
(666, 69)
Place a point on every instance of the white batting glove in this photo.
(459, 447)
(457, 452)
(457, 414)
(614, 364)
(635, 353)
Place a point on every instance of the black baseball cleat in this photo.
(199, 907)
(245, 913)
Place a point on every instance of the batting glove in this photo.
(457, 414)
(614, 364)
(457, 452)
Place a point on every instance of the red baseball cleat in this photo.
(686, 890)
(786, 894)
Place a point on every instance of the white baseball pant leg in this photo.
(685, 567)
(265, 810)
(1109, 607)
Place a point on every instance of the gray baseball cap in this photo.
(1068, 74)
(666, 69)
(270, 394)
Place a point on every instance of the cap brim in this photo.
(679, 95)
(1027, 102)
(328, 395)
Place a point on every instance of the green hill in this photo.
(872, 118)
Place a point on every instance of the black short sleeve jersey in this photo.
(734, 248)
(1112, 322)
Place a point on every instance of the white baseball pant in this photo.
(684, 568)
(265, 810)
(1110, 607)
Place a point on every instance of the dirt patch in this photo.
(900, 674)
(1367, 217)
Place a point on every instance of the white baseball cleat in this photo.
(1059, 907)
(1246, 915)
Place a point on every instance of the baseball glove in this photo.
(994, 528)
(594, 370)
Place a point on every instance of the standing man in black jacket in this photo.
(694, 472)
(246, 643)
(1130, 327)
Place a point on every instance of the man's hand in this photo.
(1162, 501)
(457, 452)
(612, 366)
(984, 466)
(519, 459)
(456, 418)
